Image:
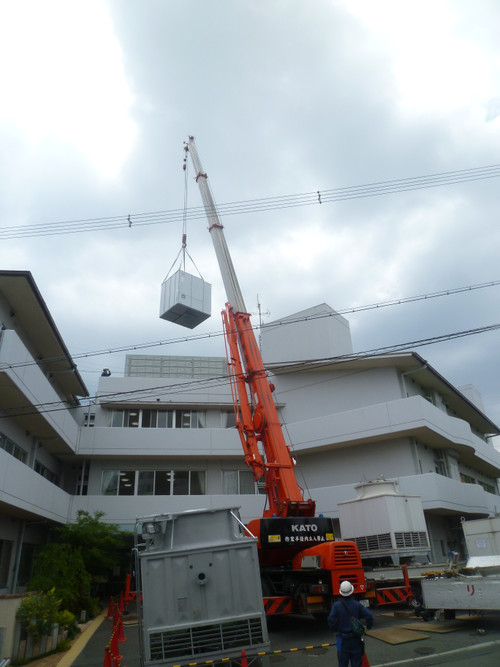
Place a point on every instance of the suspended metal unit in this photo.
(185, 299)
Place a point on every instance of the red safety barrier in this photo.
(393, 595)
(278, 605)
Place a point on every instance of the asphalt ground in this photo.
(298, 641)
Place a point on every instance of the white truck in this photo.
(475, 587)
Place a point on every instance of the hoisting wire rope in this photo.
(183, 249)
(185, 166)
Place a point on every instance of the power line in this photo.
(317, 197)
(181, 387)
(279, 323)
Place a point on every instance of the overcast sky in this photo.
(284, 98)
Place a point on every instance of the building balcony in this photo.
(39, 499)
(439, 495)
(155, 442)
(409, 417)
(23, 388)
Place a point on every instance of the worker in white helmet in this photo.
(345, 619)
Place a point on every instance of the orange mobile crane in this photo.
(301, 563)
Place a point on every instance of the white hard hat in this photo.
(346, 588)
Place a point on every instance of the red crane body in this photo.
(257, 420)
(289, 533)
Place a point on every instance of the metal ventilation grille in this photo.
(415, 539)
(373, 542)
(216, 638)
(345, 554)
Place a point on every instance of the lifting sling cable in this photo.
(184, 213)
(183, 249)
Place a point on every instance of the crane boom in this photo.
(257, 418)
(231, 285)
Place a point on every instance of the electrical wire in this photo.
(269, 325)
(317, 197)
(42, 408)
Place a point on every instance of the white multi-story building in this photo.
(162, 438)
(39, 390)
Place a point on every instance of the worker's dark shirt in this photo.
(339, 618)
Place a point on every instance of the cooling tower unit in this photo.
(384, 524)
(199, 583)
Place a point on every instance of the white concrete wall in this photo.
(314, 394)
(143, 442)
(354, 464)
(124, 510)
(316, 338)
(9, 604)
(30, 380)
(162, 392)
(24, 489)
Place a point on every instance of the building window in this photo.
(45, 472)
(13, 449)
(89, 420)
(153, 482)
(145, 482)
(467, 479)
(189, 419)
(197, 483)
(238, 482)
(110, 482)
(487, 487)
(149, 418)
(228, 419)
(157, 419)
(5, 555)
(126, 483)
(82, 482)
(163, 483)
(125, 418)
(26, 563)
(131, 418)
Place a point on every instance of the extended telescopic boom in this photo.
(256, 415)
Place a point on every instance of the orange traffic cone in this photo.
(244, 661)
(108, 662)
(119, 630)
(115, 651)
(110, 608)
